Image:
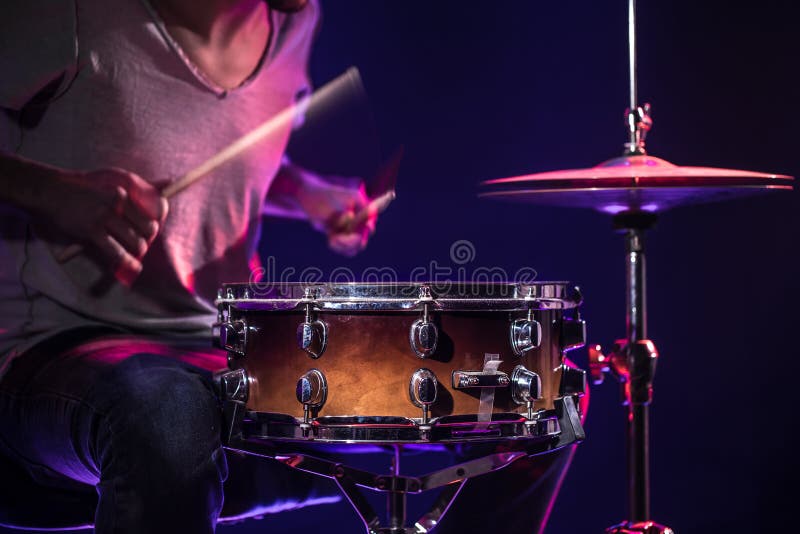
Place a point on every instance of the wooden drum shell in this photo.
(368, 361)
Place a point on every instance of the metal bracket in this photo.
(480, 379)
(632, 364)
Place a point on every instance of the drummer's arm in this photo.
(324, 201)
(116, 212)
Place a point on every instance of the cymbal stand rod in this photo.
(632, 53)
(638, 411)
(637, 117)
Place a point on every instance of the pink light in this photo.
(613, 209)
(277, 507)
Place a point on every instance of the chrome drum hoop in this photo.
(357, 296)
(388, 429)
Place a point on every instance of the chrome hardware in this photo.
(633, 365)
(312, 335)
(233, 385)
(573, 381)
(406, 297)
(311, 392)
(643, 527)
(639, 122)
(311, 293)
(423, 334)
(526, 387)
(572, 334)
(233, 336)
(600, 364)
(480, 379)
(425, 293)
(525, 334)
(422, 390)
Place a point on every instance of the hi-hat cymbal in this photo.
(633, 183)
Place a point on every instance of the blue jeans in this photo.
(136, 418)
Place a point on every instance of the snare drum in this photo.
(399, 356)
(473, 374)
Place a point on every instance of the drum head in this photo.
(456, 296)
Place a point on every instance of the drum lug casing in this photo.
(423, 338)
(312, 337)
(233, 385)
(572, 334)
(233, 337)
(312, 334)
(423, 335)
(312, 392)
(233, 389)
(526, 387)
(422, 390)
(525, 334)
(573, 381)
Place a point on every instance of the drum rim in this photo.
(399, 296)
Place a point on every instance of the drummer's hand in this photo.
(114, 213)
(349, 230)
(341, 212)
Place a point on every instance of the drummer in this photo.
(106, 359)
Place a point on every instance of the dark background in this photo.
(492, 89)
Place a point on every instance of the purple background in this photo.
(485, 90)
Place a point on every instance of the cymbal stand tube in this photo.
(637, 117)
(638, 412)
(634, 363)
(632, 53)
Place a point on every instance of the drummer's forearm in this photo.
(287, 181)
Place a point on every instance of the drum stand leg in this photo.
(633, 362)
(450, 480)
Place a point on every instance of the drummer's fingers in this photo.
(146, 226)
(124, 233)
(145, 207)
(345, 244)
(126, 267)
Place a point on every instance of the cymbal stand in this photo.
(633, 362)
(633, 359)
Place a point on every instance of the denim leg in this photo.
(157, 446)
(144, 428)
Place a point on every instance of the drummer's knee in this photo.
(164, 415)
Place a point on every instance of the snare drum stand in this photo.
(633, 362)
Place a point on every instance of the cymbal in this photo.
(633, 183)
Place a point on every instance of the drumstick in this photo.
(349, 78)
(375, 206)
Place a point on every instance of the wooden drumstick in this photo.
(349, 222)
(350, 77)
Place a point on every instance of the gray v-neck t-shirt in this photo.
(123, 94)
